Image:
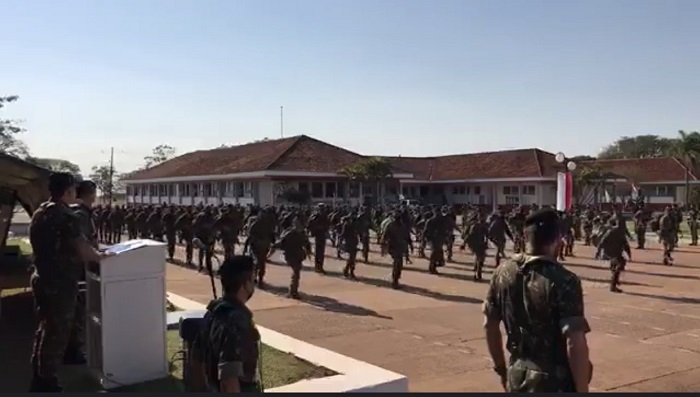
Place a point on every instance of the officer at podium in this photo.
(57, 242)
(86, 193)
(227, 350)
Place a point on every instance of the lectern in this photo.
(126, 315)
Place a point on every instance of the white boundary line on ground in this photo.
(355, 375)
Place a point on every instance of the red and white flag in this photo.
(635, 190)
(565, 187)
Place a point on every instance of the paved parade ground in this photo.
(645, 339)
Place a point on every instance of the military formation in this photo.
(401, 232)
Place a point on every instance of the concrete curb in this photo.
(355, 375)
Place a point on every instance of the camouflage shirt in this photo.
(539, 302)
(53, 233)
(86, 222)
(229, 345)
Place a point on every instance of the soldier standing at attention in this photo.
(319, 225)
(394, 241)
(541, 305)
(60, 253)
(227, 350)
(295, 246)
(130, 221)
(203, 229)
(184, 225)
(86, 194)
(613, 244)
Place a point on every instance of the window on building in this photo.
(529, 190)
(248, 189)
(304, 187)
(392, 190)
(512, 200)
(404, 191)
(455, 189)
(185, 190)
(207, 189)
(665, 191)
(196, 192)
(330, 190)
(510, 190)
(171, 189)
(367, 189)
(413, 191)
(317, 189)
(354, 189)
(477, 190)
(341, 189)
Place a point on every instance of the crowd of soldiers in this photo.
(399, 230)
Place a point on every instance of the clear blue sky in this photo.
(376, 76)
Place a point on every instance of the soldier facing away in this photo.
(541, 305)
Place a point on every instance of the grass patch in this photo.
(24, 247)
(13, 291)
(278, 369)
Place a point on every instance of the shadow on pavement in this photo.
(677, 299)
(326, 303)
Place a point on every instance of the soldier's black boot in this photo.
(614, 282)
(346, 271)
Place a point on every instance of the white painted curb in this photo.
(355, 375)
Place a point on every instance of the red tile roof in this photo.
(658, 169)
(522, 163)
(305, 154)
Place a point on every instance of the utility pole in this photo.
(281, 121)
(111, 176)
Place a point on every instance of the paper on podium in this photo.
(130, 245)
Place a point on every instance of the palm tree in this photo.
(375, 169)
(687, 149)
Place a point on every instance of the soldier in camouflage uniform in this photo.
(60, 253)
(183, 224)
(613, 244)
(294, 243)
(640, 228)
(203, 229)
(349, 236)
(668, 234)
(260, 238)
(318, 226)
(168, 220)
(541, 305)
(86, 194)
(498, 230)
(693, 226)
(394, 241)
(227, 350)
(364, 224)
(435, 233)
(476, 238)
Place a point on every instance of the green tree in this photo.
(641, 146)
(372, 169)
(687, 148)
(160, 154)
(9, 129)
(589, 181)
(107, 180)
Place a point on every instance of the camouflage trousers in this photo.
(365, 246)
(397, 267)
(525, 377)
(641, 238)
(55, 303)
(437, 256)
(229, 246)
(319, 252)
(171, 238)
(296, 266)
(351, 261)
(76, 341)
(260, 256)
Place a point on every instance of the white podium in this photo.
(126, 315)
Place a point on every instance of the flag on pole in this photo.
(564, 191)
